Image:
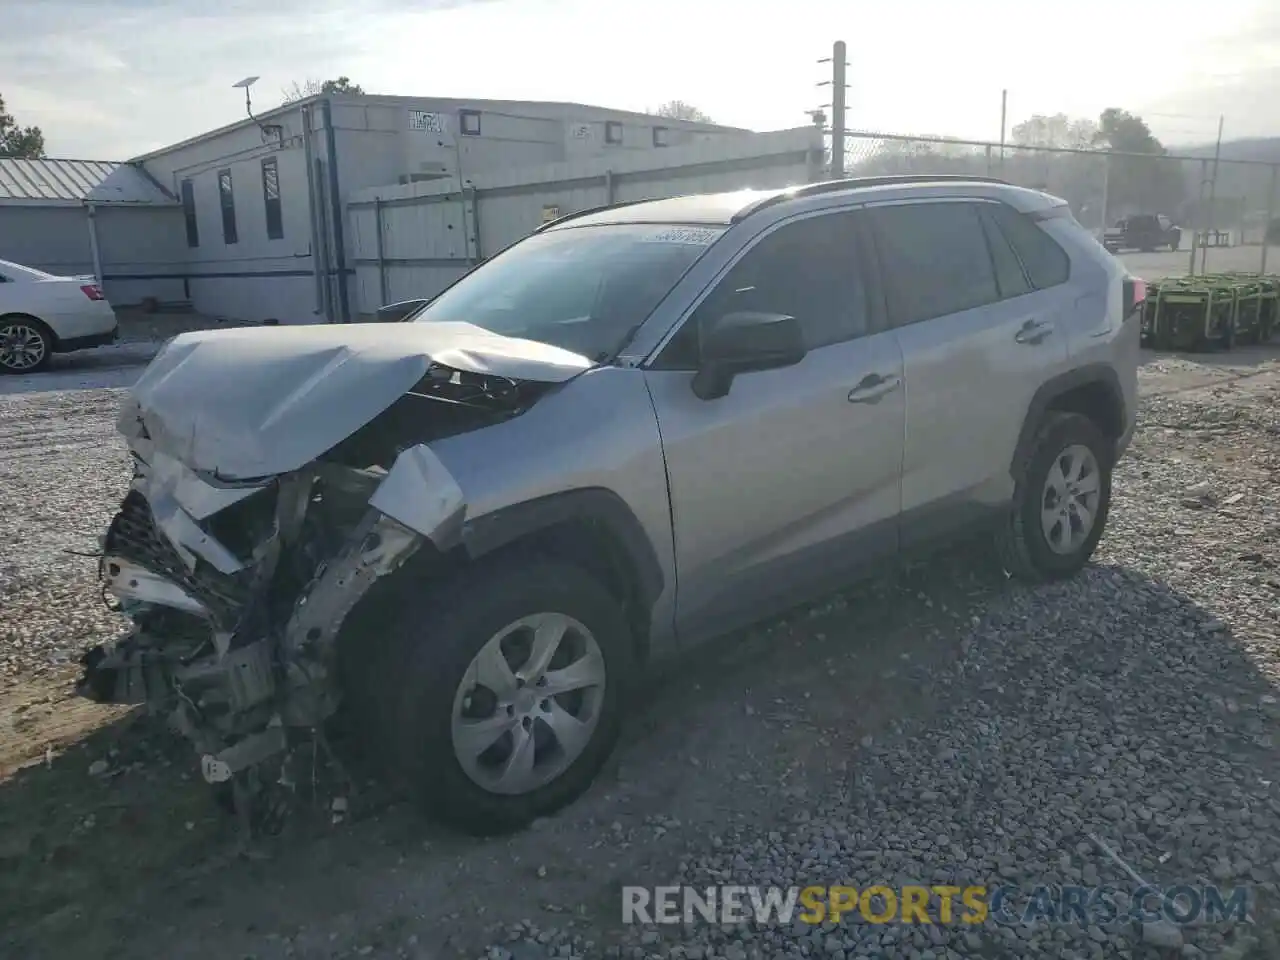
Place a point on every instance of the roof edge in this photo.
(480, 103)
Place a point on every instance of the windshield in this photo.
(584, 289)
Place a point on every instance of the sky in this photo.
(112, 79)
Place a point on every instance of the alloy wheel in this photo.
(22, 346)
(528, 704)
(1069, 502)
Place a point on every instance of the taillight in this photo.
(1135, 292)
(92, 291)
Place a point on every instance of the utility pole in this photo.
(838, 106)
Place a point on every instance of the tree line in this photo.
(1139, 178)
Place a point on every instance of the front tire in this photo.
(26, 345)
(505, 694)
(1062, 497)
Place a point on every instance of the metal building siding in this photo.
(72, 182)
(55, 240)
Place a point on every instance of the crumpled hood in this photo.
(256, 402)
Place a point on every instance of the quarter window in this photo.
(1009, 276)
(934, 260)
(1046, 263)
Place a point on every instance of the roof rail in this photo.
(582, 213)
(848, 183)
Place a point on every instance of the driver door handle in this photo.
(873, 387)
(1033, 331)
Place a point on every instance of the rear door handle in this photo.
(1033, 331)
(873, 387)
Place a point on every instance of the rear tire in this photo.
(26, 344)
(435, 690)
(1025, 540)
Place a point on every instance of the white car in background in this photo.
(41, 315)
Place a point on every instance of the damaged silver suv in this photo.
(636, 429)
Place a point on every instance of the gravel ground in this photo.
(938, 726)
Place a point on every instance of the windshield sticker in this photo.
(696, 236)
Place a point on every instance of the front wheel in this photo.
(25, 345)
(506, 694)
(1061, 500)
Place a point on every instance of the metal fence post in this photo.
(1204, 172)
(1106, 188)
(608, 187)
(382, 266)
(1266, 226)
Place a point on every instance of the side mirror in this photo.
(745, 341)
(396, 312)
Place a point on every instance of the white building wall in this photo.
(377, 142)
(422, 223)
(143, 254)
(255, 277)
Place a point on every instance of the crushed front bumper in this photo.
(237, 595)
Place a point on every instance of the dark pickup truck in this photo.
(1145, 232)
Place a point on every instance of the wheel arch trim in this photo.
(1102, 374)
(508, 525)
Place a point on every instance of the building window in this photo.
(469, 122)
(271, 198)
(613, 131)
(661, 137)
(227, 200)
(189, 214)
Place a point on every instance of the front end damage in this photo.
(238, 589)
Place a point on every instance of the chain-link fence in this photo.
(1227, 212)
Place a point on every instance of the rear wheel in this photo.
(25, 345)
(1061, 501)
(502, 699)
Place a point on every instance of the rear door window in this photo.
(934, 260)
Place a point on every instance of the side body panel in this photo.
(787, 487)
(1099, 335)
(597, 432)
(784, 489)
(970, 377)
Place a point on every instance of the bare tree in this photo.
(310, 88)
(679, 110)
(25, 143)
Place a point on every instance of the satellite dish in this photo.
(246, 83)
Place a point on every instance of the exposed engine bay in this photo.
(238, 588)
